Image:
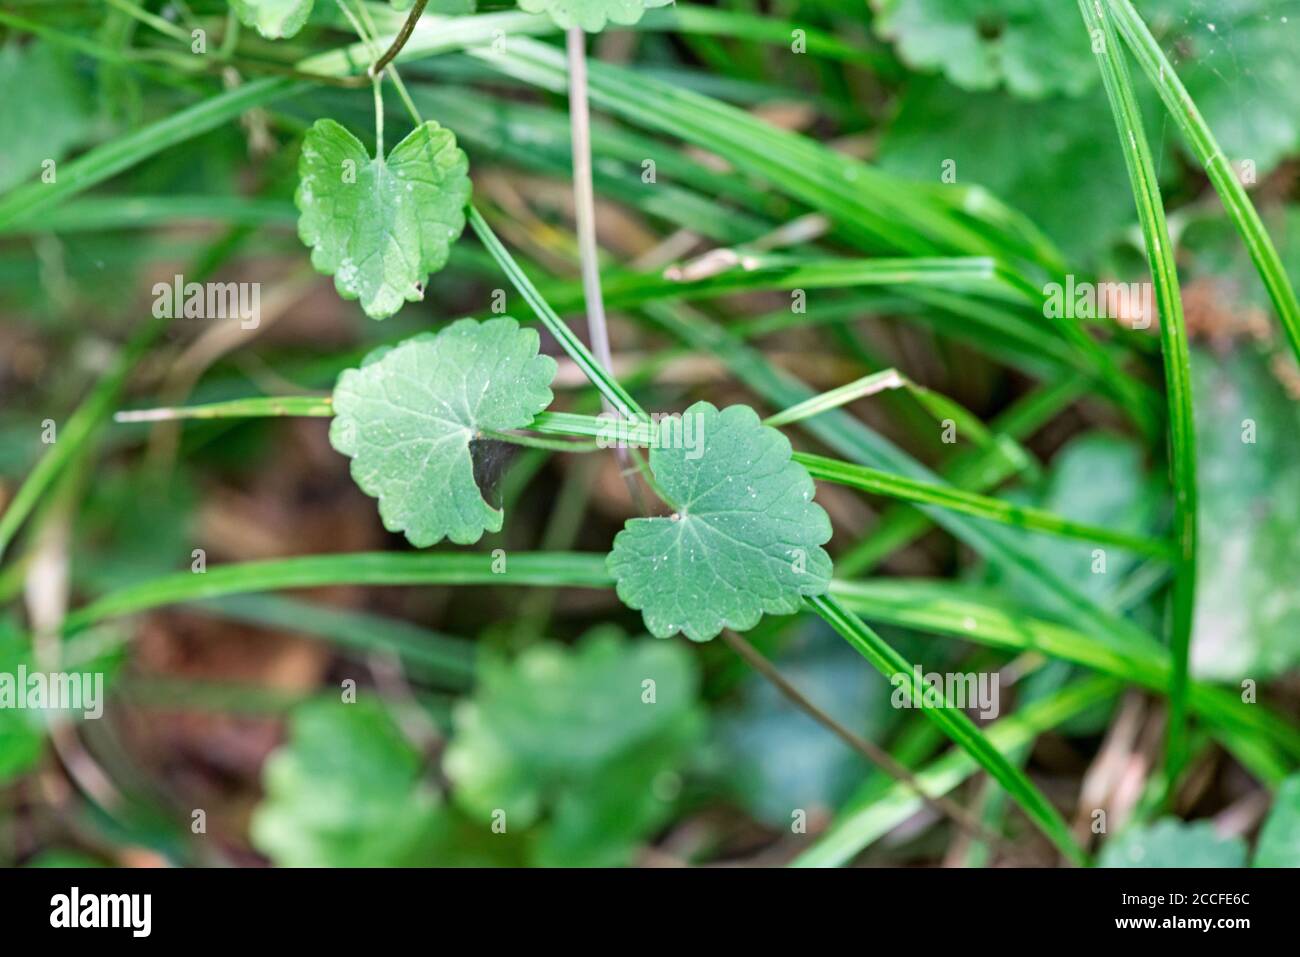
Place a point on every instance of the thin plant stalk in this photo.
(584, 214)
(584, 199)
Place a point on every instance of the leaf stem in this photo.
(538, 442)
(379, 119)
(399, 41)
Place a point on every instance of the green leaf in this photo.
(1035, 49)
(1053, 160)
(1248, 610)
(1219, 262)
(1171, 843)
(273, 18)
(49, 118)
(577, 742)
(745, 535)
(380, 226)
(22, 738)
(591, 15)
(408, 415)
(1279, 840)
(1238, 63)
(345, 790)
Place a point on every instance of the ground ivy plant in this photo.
(743, 537)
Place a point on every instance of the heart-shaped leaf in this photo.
(380, 226)
(408, 415)
(591, 15)
(745, 535)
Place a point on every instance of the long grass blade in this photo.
(125, 151)
(75, 435)
(1177, 362)
(547, 569)
(1198, 136)
(877, 482)
(956, 725)
(963, 613)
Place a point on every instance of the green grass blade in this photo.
(1177, 363)
(433, 655)
(876, 482)
(93, 213)
(943, 608)
(957, 726)
(757, 272)
(124, 152)
(868, 385)
(74, 436)
(616, 395)
(548, 569)
(978, 471)
(1198, 136)
(258, 407)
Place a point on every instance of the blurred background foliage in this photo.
(498, 726)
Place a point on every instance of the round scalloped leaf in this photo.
(408, 415)
(591, 15)
(1034, 48)
(745, 536)
(346, 789)
(572, 740)
(381, 226)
